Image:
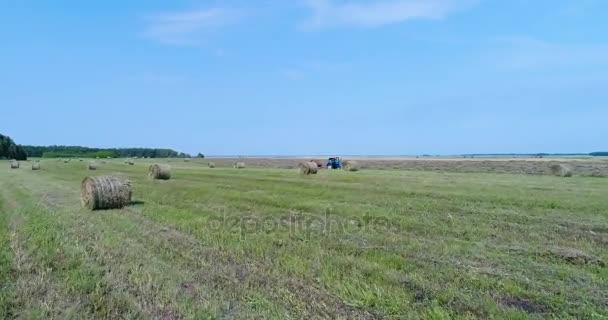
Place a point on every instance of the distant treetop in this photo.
(10, 150)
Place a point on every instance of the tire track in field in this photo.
(205, 269)
(238, 276)
(133, 267)
(36, 288)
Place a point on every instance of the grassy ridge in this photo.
(267, 243)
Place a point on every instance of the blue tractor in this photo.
(334, 163)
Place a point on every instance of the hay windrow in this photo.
(159, 172)
(211, 165)
(239, 165)
(307, 168)
(105, 192)
(350, 165)
(561, 170)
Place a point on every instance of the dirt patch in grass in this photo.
(420, 294)
(521, 304)
(576, 257)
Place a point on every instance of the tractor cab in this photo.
(334, 163)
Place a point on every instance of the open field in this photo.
(597, 167)
(436, 242)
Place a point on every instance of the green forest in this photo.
(10, 150)
(84, 152)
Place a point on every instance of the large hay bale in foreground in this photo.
(350, 165)
(159, 171)
(14, 164)
(211, 165)
(307, 168)
(92, 166)
(105, 192)
(36, 166)
(239, 165)
(561, 170)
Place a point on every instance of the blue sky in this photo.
(307, 77)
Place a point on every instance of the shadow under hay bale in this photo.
(105, 192)
(36, 166)
(239, 165)
(92, 166)
(561, 170)
(306, 168)
(14, 164)
(350, 165)
(211, 165)
(159, 172)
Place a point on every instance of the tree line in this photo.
(85, 152)
(10, 150)
(600, 154)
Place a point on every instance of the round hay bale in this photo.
(92, 166)
(561, 170)
(14, 164)
(239, 165)
(159, 171)
(350, 165)
(211, 165)
(105, 192)
(36, 166)
(66, 160)
(307, 168)
(131, 162)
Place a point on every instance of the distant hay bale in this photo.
(92, 166)
(186, 160)
(239, 165)
(36, 166)
(307, 168)
(105, 192)
(350, 165)
(14, 164)
(159, 171)
(130, 162)
(561, 170)
(80, 160)
(211, 165)
(66, 160)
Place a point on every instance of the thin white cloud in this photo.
(188, 27)
(331, 13)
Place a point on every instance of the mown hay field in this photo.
(272, 243)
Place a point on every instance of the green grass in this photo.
(268, 243)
